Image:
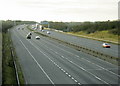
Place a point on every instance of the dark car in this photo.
(28, 36)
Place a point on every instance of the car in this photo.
(106, 45)
(37, 37)
(48, 32)
(28, 36)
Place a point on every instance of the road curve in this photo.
(45, 61)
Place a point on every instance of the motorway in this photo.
(46, 61)
(91, 44)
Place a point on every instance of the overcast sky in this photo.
(59, 10)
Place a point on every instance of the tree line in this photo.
(10, 23)
(88, 27)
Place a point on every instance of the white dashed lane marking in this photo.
(66, 73)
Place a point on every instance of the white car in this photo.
(48, 32)
(37, 37)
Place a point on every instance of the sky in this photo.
(59, 10)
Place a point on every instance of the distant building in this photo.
(119, 10)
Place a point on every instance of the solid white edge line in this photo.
(78, 66)
(88, 61)
(36, 61)
(49, 58)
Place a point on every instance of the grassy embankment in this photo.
(0, 58)
(9, 76)
(0, 44)
(103, 35)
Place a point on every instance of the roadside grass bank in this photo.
(8, 66)
(0, 44)
(97, 54)
(0, 58)
(104, 36)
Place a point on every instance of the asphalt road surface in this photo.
(91, 44)
(45, 61)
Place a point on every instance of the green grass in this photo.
(8, 68)
(9, 76)
(19, 70)
(0, 44)
(104, 35)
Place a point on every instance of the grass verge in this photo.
(7, 62)
(103, 56)
(102, 35)
(9, 75)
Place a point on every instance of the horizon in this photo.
(58, 21)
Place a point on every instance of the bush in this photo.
(115, 32)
